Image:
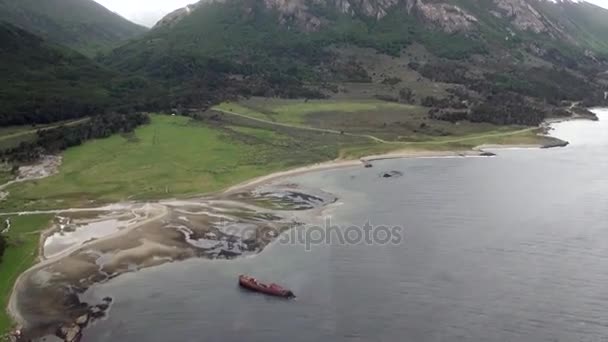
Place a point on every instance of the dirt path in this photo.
(313, 129)
(18, 134)
(376, 139)
(481, 136)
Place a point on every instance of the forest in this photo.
(3, 244)
(58, 139)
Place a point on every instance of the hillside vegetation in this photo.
(499, 62)
(507, 68)
(43, 83)
(80, 24)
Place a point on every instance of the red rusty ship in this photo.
(253, 284)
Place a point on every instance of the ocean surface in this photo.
(509, 248)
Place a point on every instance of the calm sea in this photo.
(511, 248)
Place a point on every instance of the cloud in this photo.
(148, 12)
(144, 12)
(603, 3)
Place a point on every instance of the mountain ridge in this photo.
(451, 17)
(83, 25)
(532, 52)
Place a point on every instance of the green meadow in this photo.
(20, 255)
(388, 121)
(172, 156)
(296, 111)
(176, 156)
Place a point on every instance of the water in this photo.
(76, 235)
(512, 248)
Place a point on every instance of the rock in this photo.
(70, 333)
(526, 18)
(447, 17)
(176, 16)
(391, 174)
(73, 334)
(102, 307)
(82, 320)
(560, 143)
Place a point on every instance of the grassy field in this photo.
(460, 143)
(13, 136)
(5, 175)
(21, 254)
(173, 156)
(13, 139)
(178, 156)
(385, 120)
(296, 111)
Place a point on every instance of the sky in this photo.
(148, 12)
(145, 12)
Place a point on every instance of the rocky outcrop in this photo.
(369, 8)
(522, 15)
(443, 16)
(525, 17)
(177, 15)
(391, 174)
(295, 13)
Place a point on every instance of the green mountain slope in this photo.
(501, 61)
(585, 22)
(45, 83)
(244, 47)
(80, 24)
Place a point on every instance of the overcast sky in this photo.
(148, 12)
(145, 12)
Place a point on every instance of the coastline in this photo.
(347, 163)
(12, 306)
(477, 151)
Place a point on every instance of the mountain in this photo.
(585, 22)
(44, 82)
(83, 25)
(501, 61)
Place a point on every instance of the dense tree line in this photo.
(508, 96)
(447, 102)
(449, 115)
(60, 138)
(551, 84)
(507, 109)
(443, 71)
(3, 245)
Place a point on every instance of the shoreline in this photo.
(12, 306)
(348, 163)
(478, 151)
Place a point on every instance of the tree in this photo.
(3, 245)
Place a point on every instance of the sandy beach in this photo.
(348, 163)
(399, 154)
